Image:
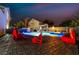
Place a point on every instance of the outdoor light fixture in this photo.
(7, 26)
(53, 27)
(8, 18)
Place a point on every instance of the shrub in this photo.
(1, 34)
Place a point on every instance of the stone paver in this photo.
(52, 46)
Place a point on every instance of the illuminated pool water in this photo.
(43, 34)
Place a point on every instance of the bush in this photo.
(1, 34)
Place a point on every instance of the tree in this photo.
(69, 23)
(20, 24)
(65, 23)
(73, 21)
(76, 18)
(50, 23)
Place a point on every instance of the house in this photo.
(43, 27)
(4, 18)
(36, 25)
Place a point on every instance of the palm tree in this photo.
(76, 18)
(71, 22)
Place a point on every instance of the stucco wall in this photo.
(4, 17)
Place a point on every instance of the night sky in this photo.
(55, 12)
